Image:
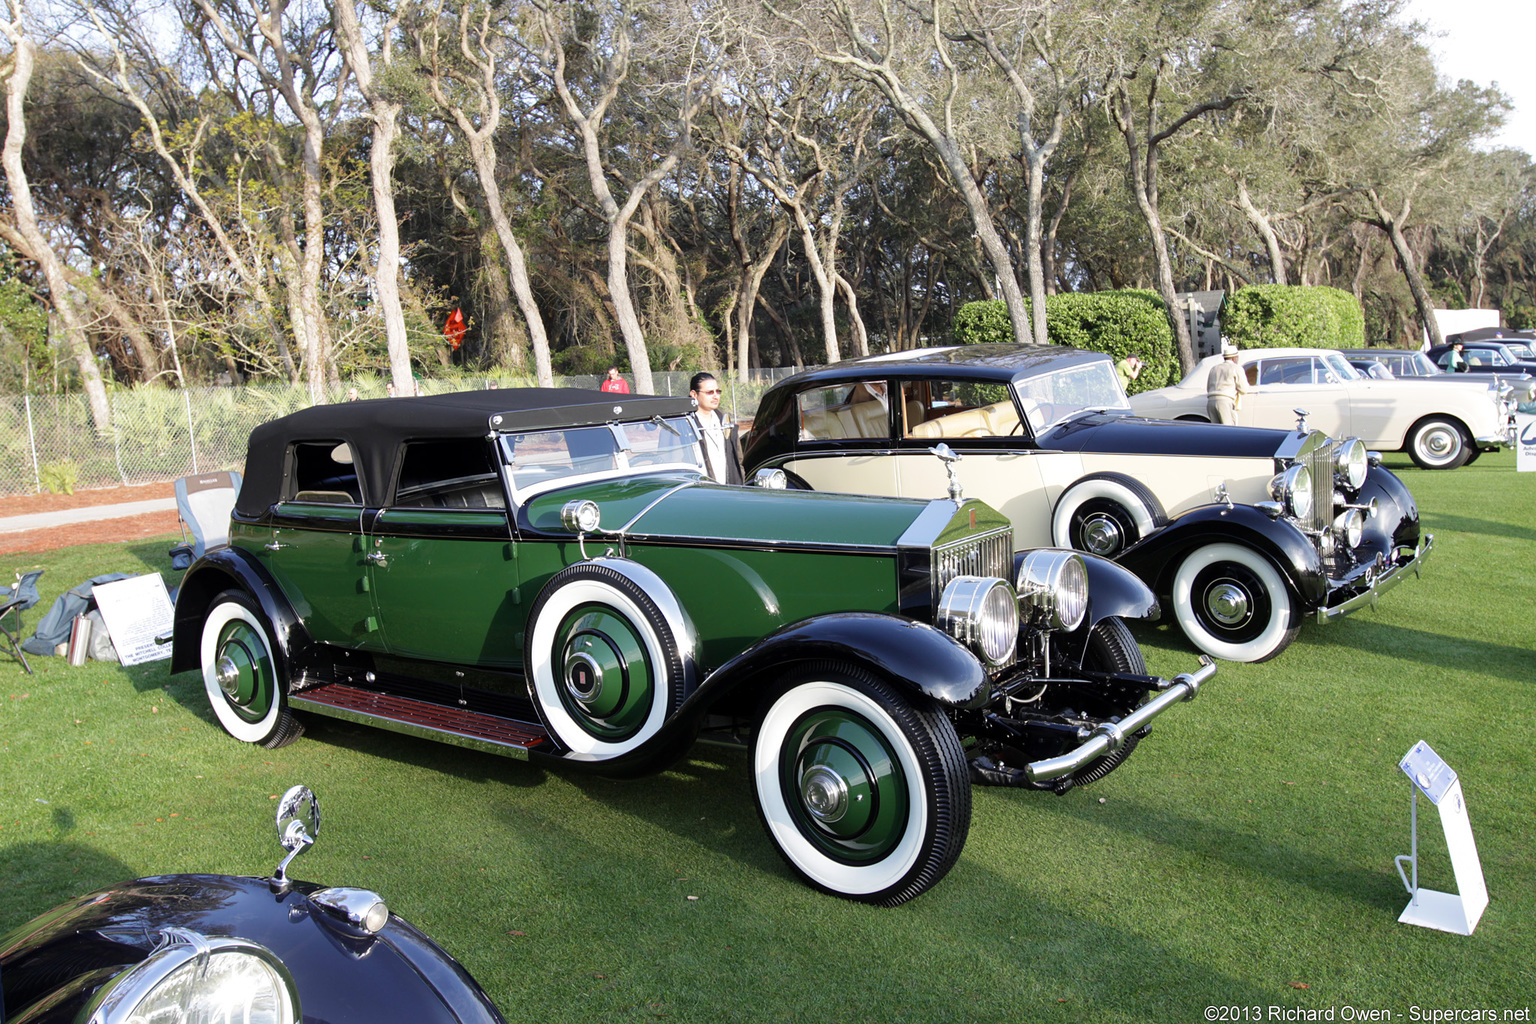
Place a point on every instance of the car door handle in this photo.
(378, 558)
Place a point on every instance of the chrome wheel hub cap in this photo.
(1438, 443)
(1227, 603)
(228, 675)
(583, 677)
(1101, 535)
(824, 793)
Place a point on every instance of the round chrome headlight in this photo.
(1350, 464)
(1350, 525)
(1053, 588)
(770, 479)
(581, 515)
(980, 612)
(197, 979)
(1293, 488)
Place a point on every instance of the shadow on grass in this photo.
(1248, 851)
(1434, 522)
(41, 875)
(1452, 653)
(707, 802)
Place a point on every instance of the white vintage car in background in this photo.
(1440, 426)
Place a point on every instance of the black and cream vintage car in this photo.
(1242, 531)
(548, 574)
(226, 949)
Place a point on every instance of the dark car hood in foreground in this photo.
(397, 977)
(1136, 435)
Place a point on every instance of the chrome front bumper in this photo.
(1493, 442)
(1377, 582)
(1111, 736)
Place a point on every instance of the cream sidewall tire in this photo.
(1087, 490)
(251, 732)
(541, 643)
(854, 880)
(1274, 635)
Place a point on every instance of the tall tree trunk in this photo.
(1265, 230)
(386, 127)
(23, 59)
(1392, 224)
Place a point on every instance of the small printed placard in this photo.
(1432, 775)
(136, 611)
(1525, 442)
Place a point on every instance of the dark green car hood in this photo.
(683, 506)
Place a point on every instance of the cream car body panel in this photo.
(1379, 412)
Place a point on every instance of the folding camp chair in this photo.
(203, 504)
(13, 601)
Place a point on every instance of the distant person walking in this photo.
(614, 383)
(1225, 387)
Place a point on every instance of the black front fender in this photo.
(1157, 557)
(231, 569)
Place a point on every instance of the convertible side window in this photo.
(324, 472)
(449, 473)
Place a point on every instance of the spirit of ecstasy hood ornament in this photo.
(949, 457)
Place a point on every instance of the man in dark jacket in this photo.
(721, 443)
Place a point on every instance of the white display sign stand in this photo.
(1456, 912)
(1525, 442)
(136, 611)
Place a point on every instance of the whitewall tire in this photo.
(1232, 603)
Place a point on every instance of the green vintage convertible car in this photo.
(548, 574)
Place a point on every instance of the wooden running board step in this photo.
(473, 729)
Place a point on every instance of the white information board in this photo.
(1525, 442)
(136, 611)
(1460, 911)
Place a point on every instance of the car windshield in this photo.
(1340, 367)
(538, 458)
(1520, 350)
(1054, 397)
(1415, 364)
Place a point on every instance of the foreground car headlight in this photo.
(198, 979)
(982, 613)
(1053, 589)
(1350, 464)
(1351, 526)
(1293, 489)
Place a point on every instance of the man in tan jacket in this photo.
(1225, 387)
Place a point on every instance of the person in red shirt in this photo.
(614, 382)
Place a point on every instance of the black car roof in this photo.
(973, 362)
(376, 428)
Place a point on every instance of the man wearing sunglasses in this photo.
(722, 445)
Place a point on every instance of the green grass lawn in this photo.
(1242, 857)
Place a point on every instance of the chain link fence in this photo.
(47, 442)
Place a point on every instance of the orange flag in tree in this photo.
(453, 330)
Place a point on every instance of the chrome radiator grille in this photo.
(986, 554)
(1320, 463)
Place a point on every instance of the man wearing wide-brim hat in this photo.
(1225, 387)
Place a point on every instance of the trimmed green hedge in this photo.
(1119, 323)
(1292, 316)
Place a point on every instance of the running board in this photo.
(478, 731)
